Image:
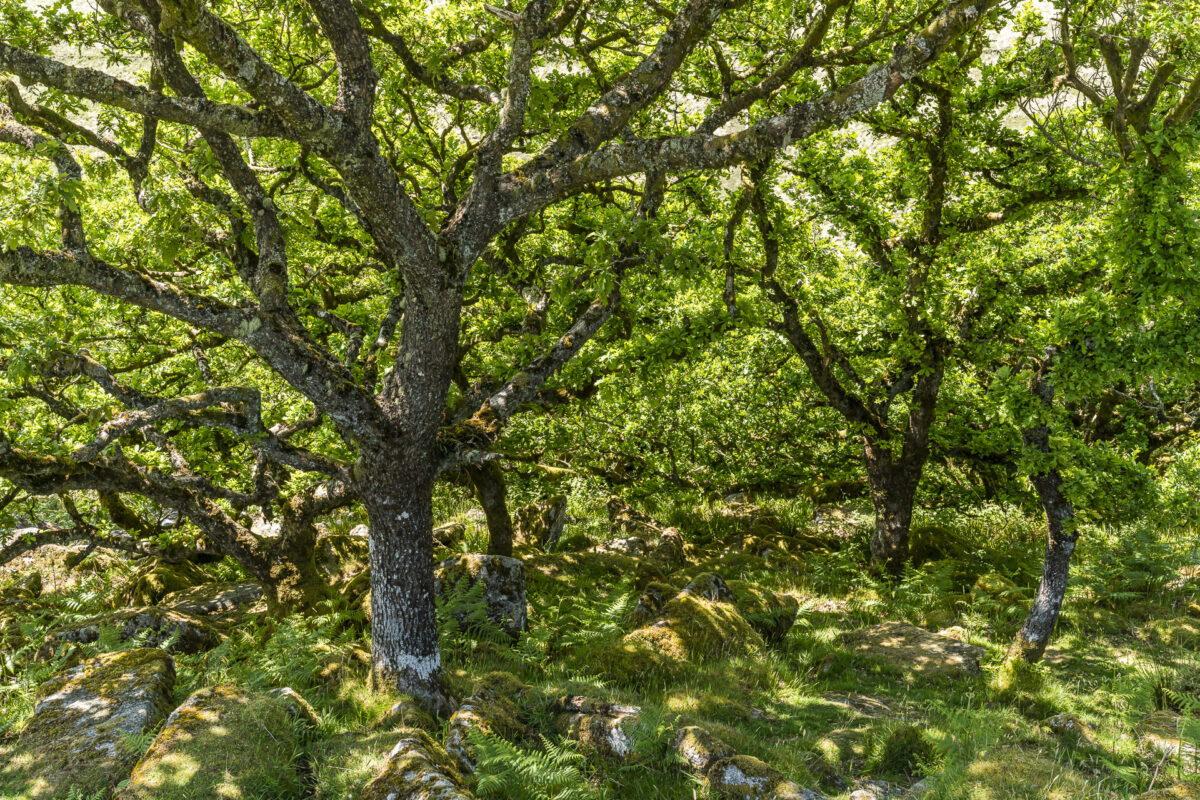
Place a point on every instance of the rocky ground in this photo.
(737, 657)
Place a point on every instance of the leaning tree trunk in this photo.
(492, 493)
(1061, 536)
(893, 490)
(397, 492)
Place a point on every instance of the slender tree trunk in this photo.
(893, 490)
(398, 495)
(492, 493)
(1061, 536)
(1031, 640)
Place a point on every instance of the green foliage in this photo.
(555, 772)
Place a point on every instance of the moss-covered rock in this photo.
(629, 521)
(605, 729)
(503, 582)
(417, 768)
(914, 651)
(709, 586)
(996, 588)
(84, 725)
(747, 778)
(540, 524)
(1010, 771)
(699, 749)
(214, 598)
(222, 742)
(491, 711)
(175, 630)
(158, 578)
(341, 556)
(771, 614)
(650, 603)
(670, 551)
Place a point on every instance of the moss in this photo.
(224, 742)
(155, 626)
(688, 629)
(417, 767)
(699, 749)
(79, 734)
(501, 683)
(996, 588)
(159, 579)
(28, 587)
(747, 778)
(771, 614)
(489, 711)
(651, 602)
(1010, 772)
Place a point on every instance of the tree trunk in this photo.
(492, 493)
(893, 490)
(396, 486)
(1031, 640)
(1061, 536)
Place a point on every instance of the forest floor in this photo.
(832, 703)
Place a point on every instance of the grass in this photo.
(805, 705)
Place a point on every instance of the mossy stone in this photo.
(417, 768)
(745, 777)
(175, 630)
(490, 711)
(688, 629)
(223, 742)
(159, 579)
(85, 725)
(771, 614)
(699, 749)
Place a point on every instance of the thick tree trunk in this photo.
(893, 489)
(493, 496)
(397, 492)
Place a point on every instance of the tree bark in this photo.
(1031, 640)
(397, 491)
(893, 490)
(492, 493)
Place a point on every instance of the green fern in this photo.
(556, 772)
